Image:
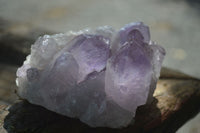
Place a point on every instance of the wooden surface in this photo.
(176, 99)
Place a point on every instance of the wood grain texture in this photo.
(3, 113)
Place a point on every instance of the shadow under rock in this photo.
(24, 117)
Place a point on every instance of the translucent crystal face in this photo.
(134, 31)
(99, 76)
(128, 76)
(91, 53)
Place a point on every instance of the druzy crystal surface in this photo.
(100, 76)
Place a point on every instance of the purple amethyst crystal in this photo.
(99, 76)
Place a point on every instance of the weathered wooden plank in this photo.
(167, 73)
(3, 113)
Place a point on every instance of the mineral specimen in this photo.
(99, 76)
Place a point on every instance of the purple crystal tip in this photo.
(99, 76)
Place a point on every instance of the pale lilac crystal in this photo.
(99, 76)
(128, 76)
(136, 31)
(91, 53)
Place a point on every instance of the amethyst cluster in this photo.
(99, 76)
